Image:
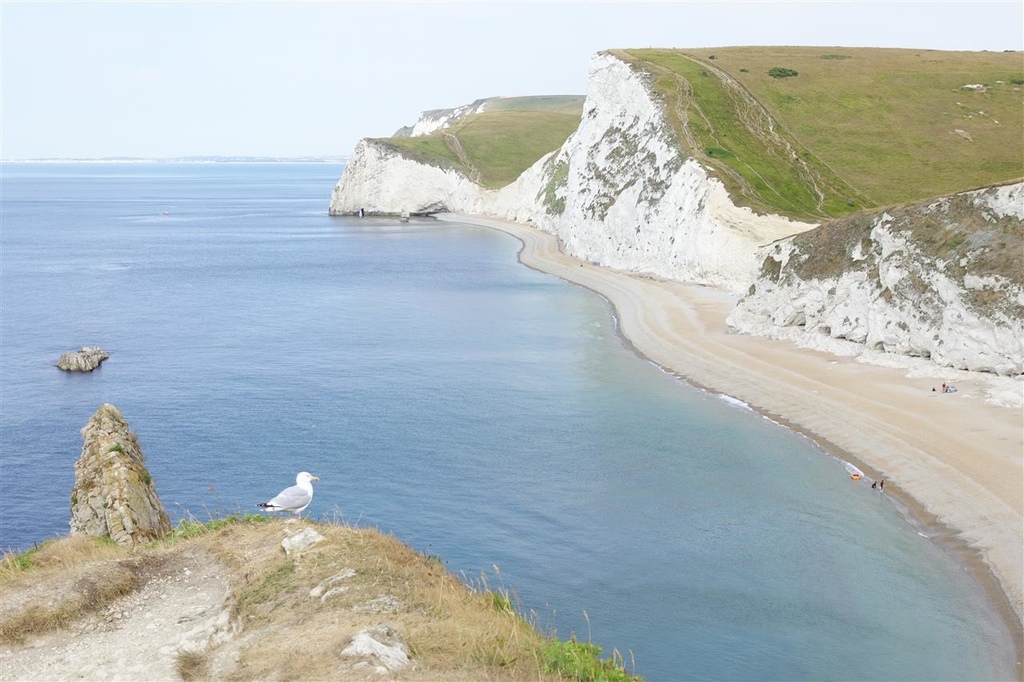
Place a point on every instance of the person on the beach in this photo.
(882, 484)
(874, 485)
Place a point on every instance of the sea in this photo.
(480, 411)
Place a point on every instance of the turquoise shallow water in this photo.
(474, 408)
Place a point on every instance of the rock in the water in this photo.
(85, 360)
(114, 495)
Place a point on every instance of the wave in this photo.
(735, 402)
(851, 469)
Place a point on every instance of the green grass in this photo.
(495, 147)
(190, 527)
(886, 120)
(560, 104)
(730, 135)
(20, 562)
(582, 662)
(503, 145)
(430, 150)
(499, 146)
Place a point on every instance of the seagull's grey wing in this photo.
(291, 498)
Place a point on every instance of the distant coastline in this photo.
(190, 159)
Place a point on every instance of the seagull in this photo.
(293, 499)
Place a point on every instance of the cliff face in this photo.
(942, 280)
(619, 192)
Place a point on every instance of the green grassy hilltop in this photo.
(869, 127)
(495, 147)
(808, 132)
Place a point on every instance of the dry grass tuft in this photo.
(193, 665)
(57, 555)
(105, 583)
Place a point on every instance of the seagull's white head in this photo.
(305, 477)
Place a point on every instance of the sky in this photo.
(289, 79)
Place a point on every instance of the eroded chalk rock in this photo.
(326, 589)
(379, 647)
(296, 544)
(114, 495)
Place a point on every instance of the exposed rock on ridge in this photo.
(942, 279)
(114, 495)
(85, 360)
(437, 119)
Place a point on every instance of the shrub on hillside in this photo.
(781, 72)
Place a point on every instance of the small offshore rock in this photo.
(85, 360)
(113, 495)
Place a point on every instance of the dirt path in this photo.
(180, 606)
(460, 153)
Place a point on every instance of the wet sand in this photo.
(953, 461)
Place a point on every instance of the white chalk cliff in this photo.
(619, 192)
(875, 282)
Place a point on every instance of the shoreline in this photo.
(952, 462)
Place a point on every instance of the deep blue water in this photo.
(472, 407)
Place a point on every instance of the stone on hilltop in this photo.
(114, 495)
(85, 360)
(380, 647)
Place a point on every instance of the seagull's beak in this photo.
(314, 478)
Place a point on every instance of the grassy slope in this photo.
(725, 128)
(559, 104)
(877, 126)
(454, 631)
(495, 147)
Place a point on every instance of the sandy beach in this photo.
(955, 462)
